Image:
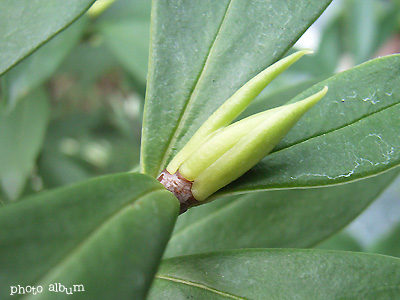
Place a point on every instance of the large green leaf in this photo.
(351, 133)
(274, 219)
(27, 24)
(279, 274)
(38, 67)
(201, 52)
(107, 234)
(22, 131)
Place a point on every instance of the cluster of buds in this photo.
(220, 152)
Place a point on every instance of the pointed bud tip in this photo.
(324, 91)
(308, 51)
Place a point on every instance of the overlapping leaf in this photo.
(107, 234)
(350, 134)
(27, 24)
(279, 274)
(38, 67)
(22, 131)
(201, 52)
(275, 219)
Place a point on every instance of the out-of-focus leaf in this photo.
(22, 131)
(126, 10)
(279, 274)
(275, 219)
(389, 244)
(361, 28)
(326, 60)
(87, 62)
(388, 24)
(129, 41)
(38, 67)
(27, 24)
(56, 170)
(350, 134)
(341, 241)
(107, 234)
(201, 53)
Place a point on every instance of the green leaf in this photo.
(279, 274)
(87, 62)
(129, 42)
(273, 219)
(127, 10)
(27, 24)
(341, 241)
(201, 53)
(38, 67)
(277, 97)
(22, 131)
(350, 134)
(56, 169)
(388, 244)
(360, 28)
(107, 234)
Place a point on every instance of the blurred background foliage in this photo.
(72, 110)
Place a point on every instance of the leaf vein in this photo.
(201, 286)
(334, 129)
(69, 255)
(185, 110)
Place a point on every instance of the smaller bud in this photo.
(239, 147)
(219, 153)
(233, 107)
(99, 7)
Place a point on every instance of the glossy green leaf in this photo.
(279, 274)
(274, 219)
(22, 131)
(38, 67)
(107, 234)
(201, 53)
(350, 134)
(27, 24)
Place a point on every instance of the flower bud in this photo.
(219, 153)
(236, 149)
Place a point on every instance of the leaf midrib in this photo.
(188, 104)
(335, 129)
(235, 201)
(201, 286)
(87, 239)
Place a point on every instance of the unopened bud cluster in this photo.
(220, 152)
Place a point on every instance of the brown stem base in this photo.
(180, 187)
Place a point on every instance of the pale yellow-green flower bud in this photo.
(219, 153)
